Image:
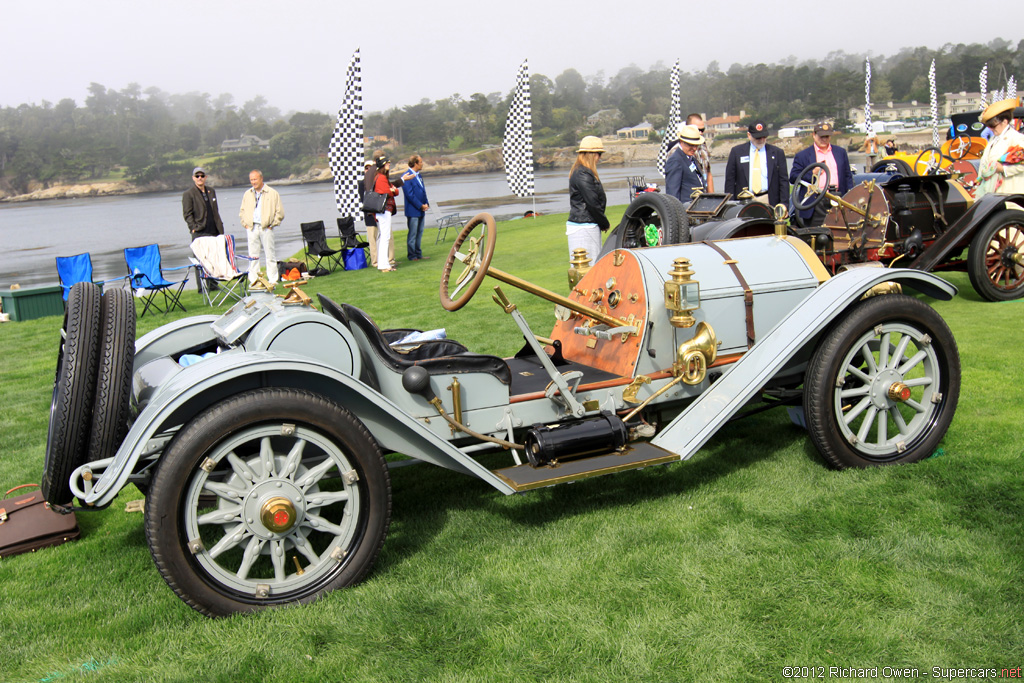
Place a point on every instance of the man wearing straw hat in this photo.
(1001, 170)
(682, 170)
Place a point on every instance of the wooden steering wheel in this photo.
(480, 250)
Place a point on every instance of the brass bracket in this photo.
(456, 388)
(296, 296)
(503, 301)
(262, 283)
(629, 394)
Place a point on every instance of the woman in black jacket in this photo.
(586, 200)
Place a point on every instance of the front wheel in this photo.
(883, 384)
(272, 497)
(993, 260)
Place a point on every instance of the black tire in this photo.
(114, 374)
(892, 166)
(197, 544)
(844, 393)
(67, 438)
(663, 211)
(990, 265)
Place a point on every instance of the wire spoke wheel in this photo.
(883, 384)
(274, 497)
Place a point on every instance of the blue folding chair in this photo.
(146, 277)
(74, 269)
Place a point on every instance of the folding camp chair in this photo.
(146, 278)
(445, 222)
(314, 236)
(74, 269)
(349, 236)
(215, 262)
(635, 184)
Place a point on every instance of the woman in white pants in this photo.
(586, 200)
(383, 185)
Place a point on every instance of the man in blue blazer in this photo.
(771, 183)
(416, 205)
(838, 162)
(682, 169)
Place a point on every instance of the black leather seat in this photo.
(436, 356)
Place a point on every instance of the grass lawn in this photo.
(751, 557)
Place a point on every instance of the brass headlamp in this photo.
(682, 294)
(580, 265)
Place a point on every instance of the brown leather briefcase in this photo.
(27, 523)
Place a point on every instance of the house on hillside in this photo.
(604, 115)
(963, 102)
(246, 143)
(377, 141)
(892, 111)
(641, 131)
(726, 124)
(797, 128)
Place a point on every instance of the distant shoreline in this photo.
(485, 161)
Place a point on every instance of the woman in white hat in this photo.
(996, 173)
(586, 200)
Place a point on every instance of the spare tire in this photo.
(114, 374)
(67, 438)
(664, 212)
(892, 165)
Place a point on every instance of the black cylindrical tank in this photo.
(575, 439)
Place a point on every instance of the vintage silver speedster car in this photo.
(260, 436)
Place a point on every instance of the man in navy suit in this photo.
(838, 163)
(770, 183)
(682, 169)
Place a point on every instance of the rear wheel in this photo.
(654, 219)
(67, 438)
(274, 496)
(991, 262)
(883, 384)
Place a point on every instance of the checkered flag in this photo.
(517, 147)
(983, 84)
(1011, 88)
(674, 118)
(868, 128)
(933, 95)
(345, 153)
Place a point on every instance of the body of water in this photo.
(33, 234)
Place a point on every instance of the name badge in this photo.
(693, 168)
(745, 160)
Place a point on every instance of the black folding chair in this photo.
(349, 236)
(314, 236)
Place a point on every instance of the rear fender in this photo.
(199, 386)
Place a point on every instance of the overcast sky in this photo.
(294, 52)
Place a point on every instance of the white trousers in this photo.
(584, 236)
(383, 239)
(264, 237)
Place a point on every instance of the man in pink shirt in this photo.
(837, 161)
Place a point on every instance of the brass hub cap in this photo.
(278, 515)
(899, 392)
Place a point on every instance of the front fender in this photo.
(742, 380)
(199, 386)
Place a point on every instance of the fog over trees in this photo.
(147, 135)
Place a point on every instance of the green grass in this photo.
(750, 557)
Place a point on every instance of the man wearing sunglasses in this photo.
(199, 207)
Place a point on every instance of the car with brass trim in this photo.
(927, 222)
(263, 438)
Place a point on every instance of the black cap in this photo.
(758, 129)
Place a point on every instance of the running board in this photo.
(633, 456)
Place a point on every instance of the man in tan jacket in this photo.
(261, 212)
